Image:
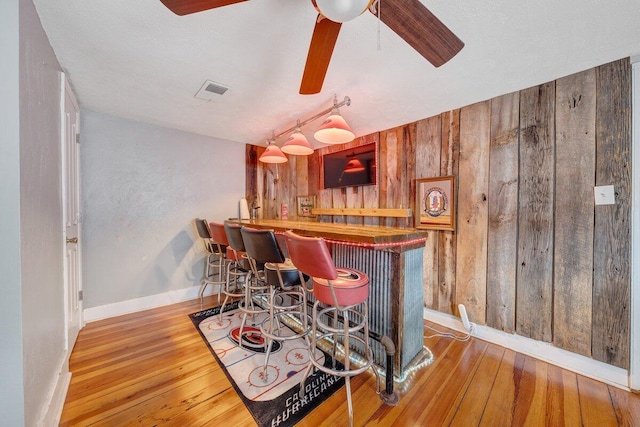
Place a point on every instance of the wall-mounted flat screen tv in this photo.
(352, 167)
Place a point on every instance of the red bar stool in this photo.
(342, 290)
(215, 259)
(232, 266)
(238, 268)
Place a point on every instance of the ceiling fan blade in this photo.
(185, 7)
(323, 41)
(421, 29)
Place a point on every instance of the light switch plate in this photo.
(604, 195)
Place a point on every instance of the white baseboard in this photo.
(546, 352)
(145, 303)
(53, 411)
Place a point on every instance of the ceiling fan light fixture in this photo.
(297, 144)
(334, 130)
(342, 10)
(273, 154)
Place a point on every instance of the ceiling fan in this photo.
(410, 19)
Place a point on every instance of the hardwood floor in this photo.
(152, 368)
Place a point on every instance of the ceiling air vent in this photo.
(209, 89)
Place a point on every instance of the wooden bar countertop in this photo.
(366, 234)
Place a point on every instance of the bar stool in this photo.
(255, 287)
(215, 259)
(342, 290)
(238, 266)
(219, 237)
(287, 297)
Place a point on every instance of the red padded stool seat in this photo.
(351, 287)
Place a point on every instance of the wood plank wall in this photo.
(532, 254)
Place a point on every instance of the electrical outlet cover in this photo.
(604, 195)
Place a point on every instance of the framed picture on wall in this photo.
(436, 203)
(305, 205)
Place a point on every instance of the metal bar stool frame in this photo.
(255, 287)
(215, 259)
(305, 252)
(237, 268)
(287, 296)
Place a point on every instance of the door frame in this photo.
(65, 90)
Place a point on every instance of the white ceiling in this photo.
(136, 59)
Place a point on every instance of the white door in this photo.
(71, 212)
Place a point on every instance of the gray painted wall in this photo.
(31, 311)
(43, 322)
(12, 389)
(141, 187)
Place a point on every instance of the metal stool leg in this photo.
(347, 361)
(312, 350)
(268, 342)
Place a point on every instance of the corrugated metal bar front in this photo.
(413, 336)
(378, 266)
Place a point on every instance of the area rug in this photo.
(271, 395)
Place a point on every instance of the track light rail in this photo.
(345, 102)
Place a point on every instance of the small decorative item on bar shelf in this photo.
(305, 205)
(284, 211)
(436, 203)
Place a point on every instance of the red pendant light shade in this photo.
(273, 154)
(297, 144)
(334, 130)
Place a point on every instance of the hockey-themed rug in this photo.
(271, 395)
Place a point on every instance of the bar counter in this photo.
(365, 234)
(392, 258)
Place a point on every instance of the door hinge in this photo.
(80, 296)
(77, 138)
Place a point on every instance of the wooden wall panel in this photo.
(370, 192)
(324, 200)
(447, 241)
(270, 199)
(427, 155)
(573, 239)
(303, 166)
(612, 280)
(473, 187)
(339, 200)
(391, 155)
(283, 192)
(503, 212)
(302, 176)
(253, 175)
(535, 213)
(251, 172)
(354, 200)
(552, 279)
(408, 172)
(260, 189)
(313, 161)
